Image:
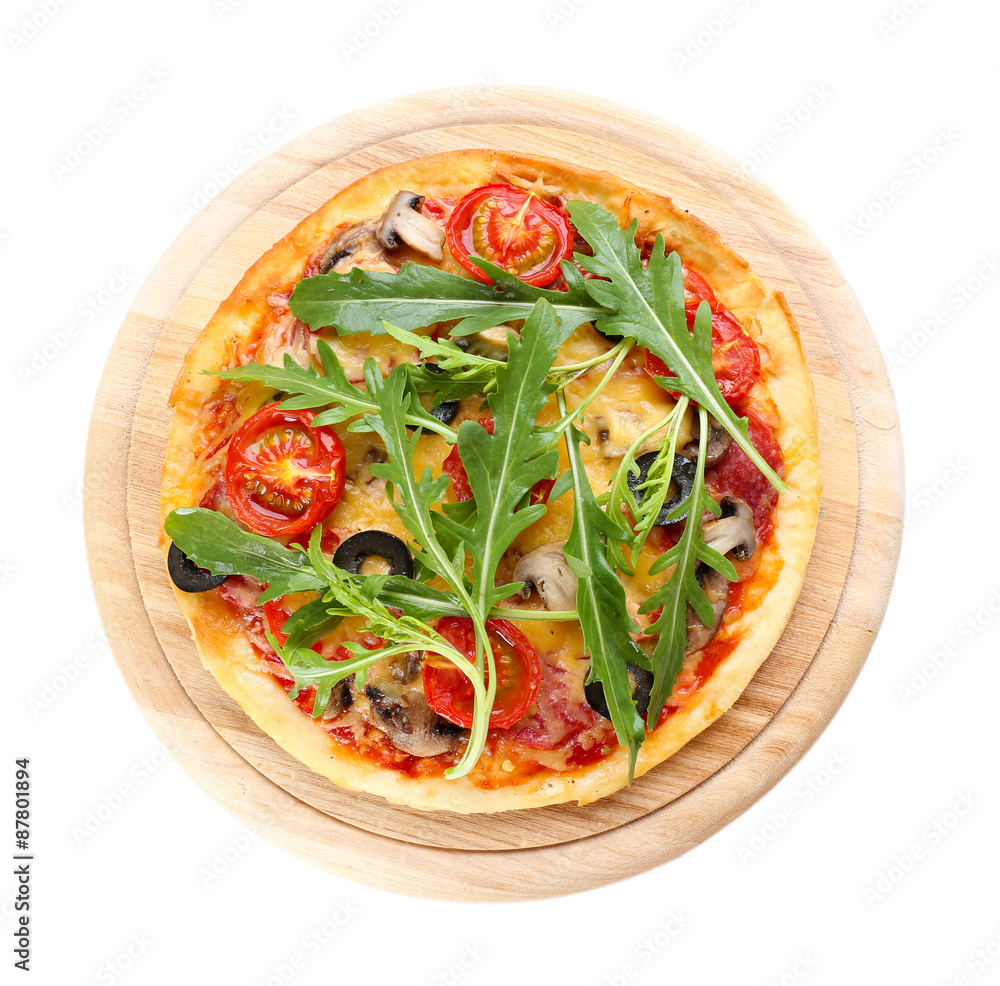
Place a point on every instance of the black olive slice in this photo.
(445, 411)
(351, 555)
(682, 478)
(642, 685)
(610, 336)
(187, 576)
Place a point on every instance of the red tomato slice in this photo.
(541, 490)
(513, 229)
(696, 289)
(454, 469)
(519, 673)
(735, 357)
(282, 475)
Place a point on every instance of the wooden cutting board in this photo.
(542, 852)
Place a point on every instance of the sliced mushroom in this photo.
(341, 699)
(187, 576)
(733, 531)
(363, 475)
(489, 343)
(716, 587)
(402, 220)
(358, 244)
(719, 441)
(617, 430)
(547, 570)
(399, 708)
(642, 685)
(358, 548)
(681, 484)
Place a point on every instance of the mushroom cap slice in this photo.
(733, 531)
(547, 570)
(716, 587)
(402, 220)
(411, 725)
(358, 244)
(341, 699)
(719, 441)
(399, 708)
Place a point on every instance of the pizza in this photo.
(492, 484)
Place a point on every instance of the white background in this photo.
(886, 865)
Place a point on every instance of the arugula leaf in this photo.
(600, 601)
(309, 624)
(648, 305)
(418, 296)
(211, 540)
(214, 542)
(682, 587)
(460, 374)
(394, 396)
(503, 467)
(440, 552)
(657, 484)
(330, 389)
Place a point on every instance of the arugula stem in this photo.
(664, 422)
(657, 483)
(534, 615)
(557, 429)
(576, 368)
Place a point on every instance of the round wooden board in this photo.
(541, 852)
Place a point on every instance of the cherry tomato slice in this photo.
(454, 469)
(735, 357)
(282, 475)
(513, 229)
(541, 490)
(696, 289)
(519, 673)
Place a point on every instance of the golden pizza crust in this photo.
(228, 655)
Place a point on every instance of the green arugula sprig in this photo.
(502, 467)
(330, 389)
(682, 588)
(216, 543)
(657, 485)
(419, 296)
(352, 595)
(600, 601)
(647, 303)
(412, 497)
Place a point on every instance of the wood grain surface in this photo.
(547, 851)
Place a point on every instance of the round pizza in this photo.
(491, 484)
